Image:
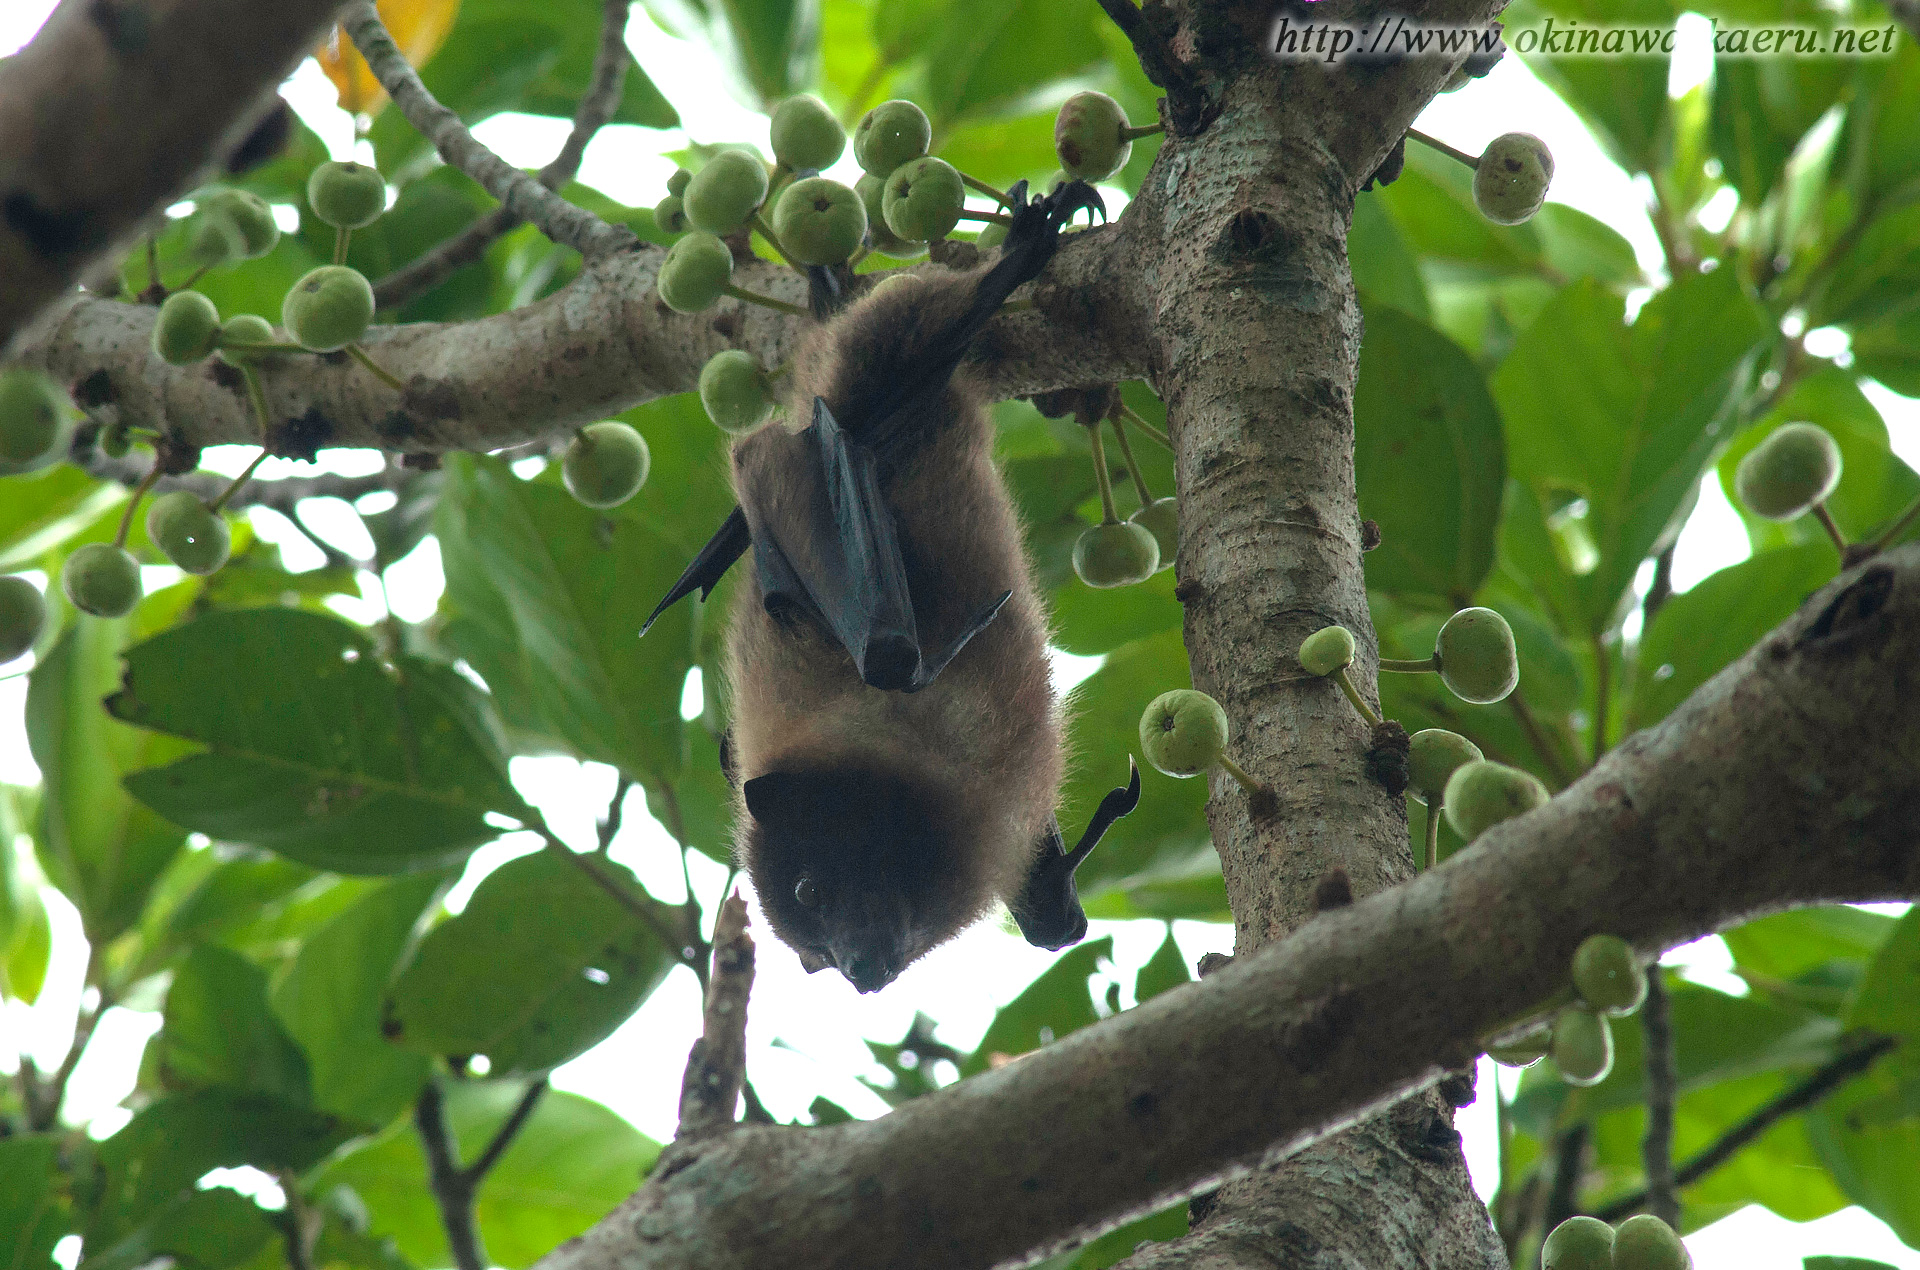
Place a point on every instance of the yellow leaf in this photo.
(419, 27)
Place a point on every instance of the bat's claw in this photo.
(1044, 217)
(1067, 199)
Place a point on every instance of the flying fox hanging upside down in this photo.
(896, 743)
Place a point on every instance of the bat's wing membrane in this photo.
(727, 545)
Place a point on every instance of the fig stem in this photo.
(193, 277)
(139, 492)
(258, 396)
(1410, 665)
(1898, 527)
(153, 264)
(1825, 517)
(265, 346)
(1128, 133)
(1552, 1005)
(238, 481)
(993, 218)
(341, 237)
(782, 369)
(1470, 160)
(759, 222)
(1433, 831)
(379, 372)
(1100, 475)
(1133, 468)
(1346, 686)
(1152, 432)
(998, 196)
(1239, 773)
(765, 301)
(859, 255)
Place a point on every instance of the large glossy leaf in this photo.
(1762, 106)
(25, 936)
(211, 1229)
(1878, 278)
(1385, 270)
(42, 510)
(1429, 459)
(577, 586)
(99, 846)
(1869, 1132)
(1622, 100)
(978, 56)
(571, 1163)
(1814, 957)
(505, 980)
(1700, 632)
(218, 1032)
(1631, 432)
(314, 748)
(1056, 1003)
(33, 1215)
(330, 1001)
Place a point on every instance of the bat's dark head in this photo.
(854, 870)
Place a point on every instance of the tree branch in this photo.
(1824, 1080)
(282, 495)
(503, 1137)
(1362, 1004)
(566, 224)
(106, 79)
(1663, 1090)
(716, 1066)
(610, 65)
(451, 1190)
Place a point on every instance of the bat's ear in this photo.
(772, 798)
(812, 962)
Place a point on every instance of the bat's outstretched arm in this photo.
(1048, 906)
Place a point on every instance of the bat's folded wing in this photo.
(727, 545)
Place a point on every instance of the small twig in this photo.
(1882, 541)
(1537, 737)
(503, 1137)
(998, 196)
(609, 826)
(1824, 1080)
(1825, 517)
(1562, 1199)
(227, 494)
(299, 1224)
(1662, 589)
(379, 372)
(716, 1065)
(1153, 433)
(1663, 1090)
(139, 492)
(452, 1192)
(563, 222)
(336, 558)
(632, 903)
(1472, 161)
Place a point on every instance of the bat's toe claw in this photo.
(1068, 199)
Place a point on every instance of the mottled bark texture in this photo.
(1792, 777)
(109, 114)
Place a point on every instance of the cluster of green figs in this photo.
(1642, 1242)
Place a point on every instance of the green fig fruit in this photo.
(991, 234)
(1644, 1242)
(186, 328)
(1578, 1243)
(1183, 732)
(670, 215)
(116, 442)
(101, 579)
(250, 216)
(1582, 1046)
(819, 221)
(1434, 755)
(23, 611)
(873, 196)
(1608, 976)
(214, 240)
(1326, 650)
(923, 200)
(1510, 183)
(1161, 518)
(29, 414)
(1089, 136)
(735, 391)
(605, 464)
(243, 328)
(890, 134)
(805, 134)
(725, 193)
(188, 533)
(678, 182)
(1795, 467)
(1524, 1052)
(347, 195)
(1481, 794)
(1116, 554)
(328, 309)
(697, 271)
(1477, 657)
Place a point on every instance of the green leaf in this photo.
(25, 936)
(1622, 100)
(985, 55)
(1843, 1263)
(170, 1144)
(1117, 1245)
(505, 980)
(96, 844)
(1632, 432)
(571, 1163)
(1165, 969)
(330, 1001)
(33, 1216)
(1578, 246)
(1813, 957)
(218, 1031)
(315, 749)
(1385, 270)
(1092, 620)
(771, 46)
(1056, 1003)
(1890, 352)
(1877, 279)
(212, 1229)
(1700, 632)
(576, 586)
(42, 511)
(1875, 1158)
(1429, 460)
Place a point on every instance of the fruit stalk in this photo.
(1100, 475)
(139, 492)
(238, 481)
(1825, 517)
(764, 301)
(1434, 809)
(1346, 686)
(1471, 160)
(1152, 432)
(992, 218)
(1239, 773)
(341, 236)
(1126, 455)
(765, 230)
(380, 372)
(998, 196)
(1409, 665)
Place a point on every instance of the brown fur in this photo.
(981, 747)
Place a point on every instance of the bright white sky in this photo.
(819, 1020)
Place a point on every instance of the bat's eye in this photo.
(806, 892)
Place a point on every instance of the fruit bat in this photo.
(896, 745)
